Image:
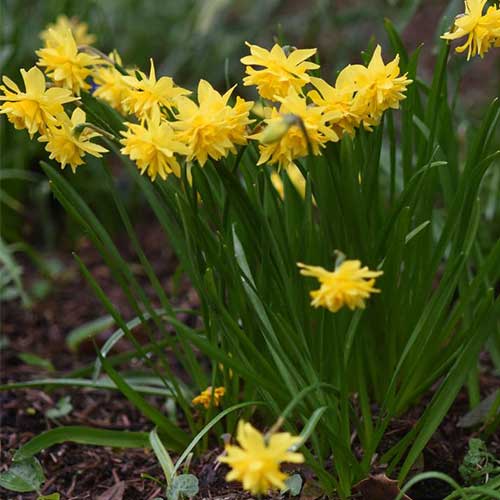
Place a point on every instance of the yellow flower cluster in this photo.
(178, 125)
(63, 24)
(482, 29)
(209, 395)
(350, 285)
(111, 85)
(165, 125)
(66, 144)
(39, 109)
(256, 461)
(67, 66)
(300, 121)
(147, 93)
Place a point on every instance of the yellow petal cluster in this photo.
(304, 123)
(350, 285)
(111, 85)
(482, 30)
(67, 145)
(212, 128)
(302, 128)
(153, 145)
(64, 64)
(62, 24)
(278, 72)
(36, 107)
(256, 461)
(376, 88)
(301, 115)
(338, 104)
(209, 395)
(147, 93)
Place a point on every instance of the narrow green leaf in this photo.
(88, 331)
(310, 426)
(207, 427)
(81, 435)
(34, 360)
(177, 437)
(162, 455)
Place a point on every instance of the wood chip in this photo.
(116, 492)
(379, 487)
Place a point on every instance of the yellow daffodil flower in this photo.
(206, 397)
(350, 285)
(62, 24)
(292, 141)
(278, 72)
(148, 93)
(64, 64)
(153, 145)
(256, 461)
(111, 85)
(212, 128)
(482, 31)
(338, 103)
(35, 108)
(377, 87)
(67, 146)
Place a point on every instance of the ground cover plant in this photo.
(332, 229)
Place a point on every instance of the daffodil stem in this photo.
(82, 126)
(275, 427)
(97, 52)
(306, 135)
(92, 50)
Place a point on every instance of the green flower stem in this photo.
(82, 126)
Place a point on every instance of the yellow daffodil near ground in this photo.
(208, 396)
(349, 285)
(256, 461)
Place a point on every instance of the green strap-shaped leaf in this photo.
(81, 435)
(177, 437)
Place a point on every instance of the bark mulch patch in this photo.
(81, 472)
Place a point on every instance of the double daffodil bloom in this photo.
(67, 145)
(349, 285)
(256, 461)
(36, 107)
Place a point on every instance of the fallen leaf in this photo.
(311, 491)
(379, 487)
(479, 413)
(116, 492)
